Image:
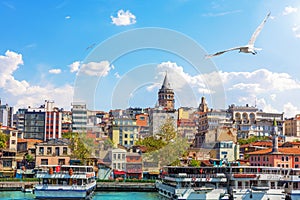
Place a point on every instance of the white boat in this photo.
(176, 184)
(223, 182)
(65, 182)
(292, 184)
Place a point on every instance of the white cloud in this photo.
(9, 63)
(96, 68)
(290, 110)
(296, 30)
(262, 79)
(221, 13)
(289, 9)
(124, 18)
(21, 93)
(55, 71)
(68, 17)
(74, 67)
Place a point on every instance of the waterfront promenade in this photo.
(101, 186)
(14, 186)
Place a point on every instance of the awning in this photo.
(117, 172)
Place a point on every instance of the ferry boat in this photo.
(223, 182)
(65, 182)
(292, 184)
(187, 183)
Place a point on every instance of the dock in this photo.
(125, 187)
(101, 186)
(13, 185)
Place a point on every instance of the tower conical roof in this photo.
(166, 84)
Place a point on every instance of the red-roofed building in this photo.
(284, 158)
(255, 146)
(292, 144)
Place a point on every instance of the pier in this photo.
(125, 186)
(101, 186)
(13, 185)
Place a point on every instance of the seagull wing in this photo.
(221, 52)
(257, 31)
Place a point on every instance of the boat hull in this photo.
(247, 194)
(64, 192)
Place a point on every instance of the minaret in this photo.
(166, 95)
(275, 137)
(203, 105)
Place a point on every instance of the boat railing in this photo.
(61, 172)
(217, 175)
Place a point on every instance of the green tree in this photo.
(29, 158)
(151, 143)
(3, 140)
(108, 143)
(170, 152)
(194, 163)
(176, 162)
(167, 131)
(252, 139)
(81, 146)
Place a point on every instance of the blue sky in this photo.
(72, 51)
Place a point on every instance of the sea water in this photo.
(97, 196)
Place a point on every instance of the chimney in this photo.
(275, 137)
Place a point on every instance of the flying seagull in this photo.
(249, 48)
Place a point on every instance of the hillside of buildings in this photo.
(137, 142)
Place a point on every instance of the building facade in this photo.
(79, 117)
(53, 152)
(292, 126)
(6, 115)
(34, 124)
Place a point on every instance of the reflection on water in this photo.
(98, 195)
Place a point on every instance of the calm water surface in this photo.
(98, 195)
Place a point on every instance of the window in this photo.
(56, 151)
(44, 161)
(61, 161)
(115, 157)
(7, 163)
(286, 158)
(13, 142)
(119, 156)
(14, 134)
(49, 150)
(123, 156)
(65, 150)
(41, 151)
(282, 158)
(287, 166)
(296, 159)
(126, 136)
(296, 166)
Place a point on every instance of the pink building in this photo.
(284, 158)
